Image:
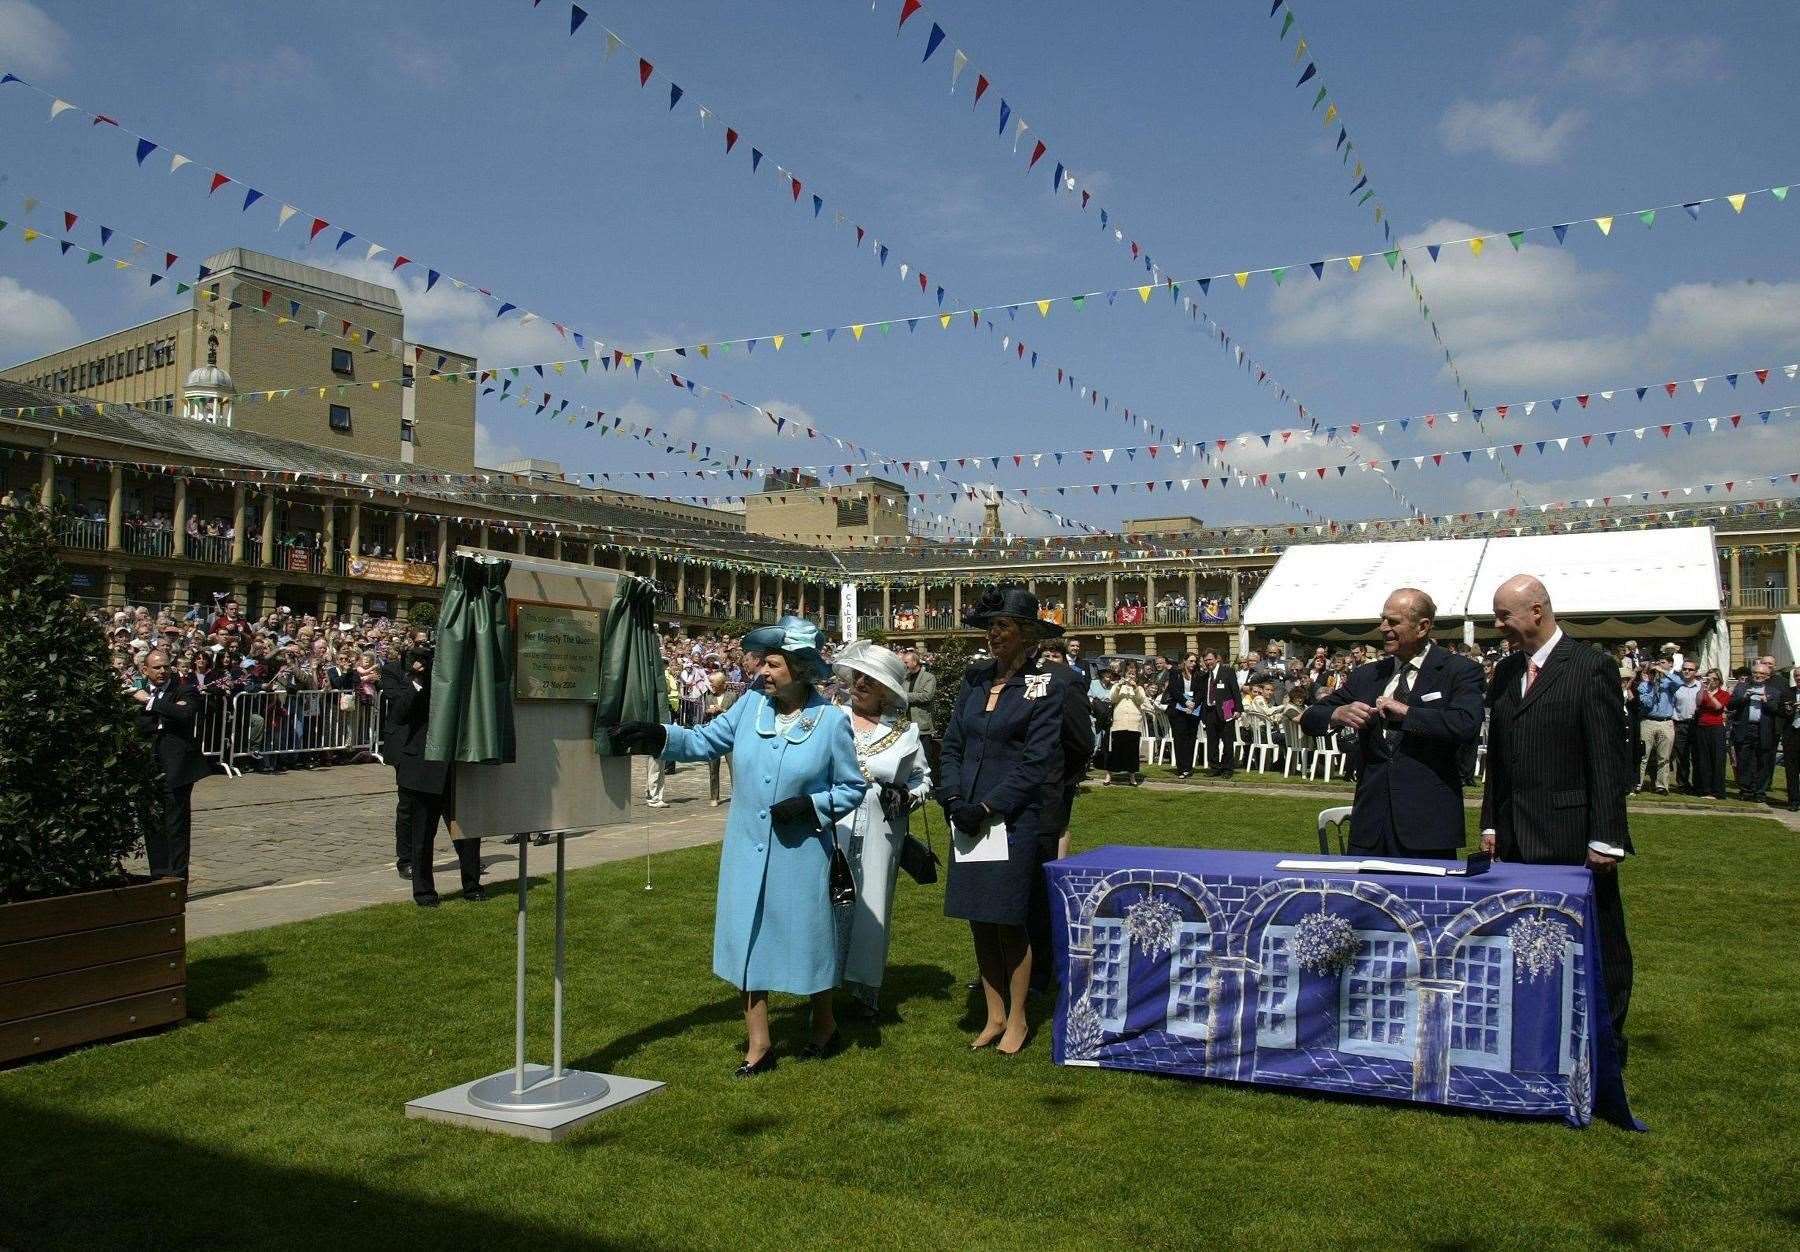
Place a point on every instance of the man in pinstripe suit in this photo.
(1559, 766)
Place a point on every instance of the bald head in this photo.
(1522, 612)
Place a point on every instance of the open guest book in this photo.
(1476, 864)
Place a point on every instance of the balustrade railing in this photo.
(81, 532)
(1763, 597)
(149, 541)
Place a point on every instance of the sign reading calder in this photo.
(556, 653)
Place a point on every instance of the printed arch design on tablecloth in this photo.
(1103, 944)
(1457, 937)
(1274, 1003)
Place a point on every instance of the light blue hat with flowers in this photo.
(799, 640)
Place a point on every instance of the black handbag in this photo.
(841, 887)
(840, 883)
(916, 858)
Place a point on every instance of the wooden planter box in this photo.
(81, 968)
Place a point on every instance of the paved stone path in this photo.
(280, 848)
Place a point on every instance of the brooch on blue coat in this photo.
(1036, 685)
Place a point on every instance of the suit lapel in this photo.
(1554, 664)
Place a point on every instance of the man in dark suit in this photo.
(1059, 797)
(1755, 719)
(1790, 738)
(1220, 703)
(168, 709)
(1559, 766)
(1412, 711)
(421, 785)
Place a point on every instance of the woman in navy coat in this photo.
(793, 774)
(1002, 752)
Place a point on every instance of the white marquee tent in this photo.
(1649, 585)
(1787, 640)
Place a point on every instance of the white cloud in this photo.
(1498, 299)
(32, 323)
(460, 319)
(1523, 322)
(425, 64)
(492, 452)
(1512, 129)
(1717, 316)
(286, 68)
(1556, 363)
(33, 42)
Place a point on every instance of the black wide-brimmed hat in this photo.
(1014, 602)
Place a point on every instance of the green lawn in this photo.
(274, 1119)
(1343, 789)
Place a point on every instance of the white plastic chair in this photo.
(1325, 755)
(1260, 747)
(1162, 749)
(1338, 817)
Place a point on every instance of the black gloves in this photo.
(967, 816)
(894, 799)
(795, 809)
(645, 737)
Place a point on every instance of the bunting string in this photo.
(213, 290)
(746, 468)
(741, 465)
(308, 317)
(1352, 262)
(1258, 540)
(1111, 229)
(802, 193)
(1222, 337)
(578, 18)
(1359, 176)
(1723, 423)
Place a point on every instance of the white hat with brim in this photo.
(864, 656)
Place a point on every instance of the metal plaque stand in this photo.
(534, 1101)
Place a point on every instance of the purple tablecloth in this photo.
(1481, 993)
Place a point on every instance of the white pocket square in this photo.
(1431, 695)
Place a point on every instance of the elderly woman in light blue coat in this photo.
(793, 774)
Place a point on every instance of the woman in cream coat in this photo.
(892, 759)
(1128, 701)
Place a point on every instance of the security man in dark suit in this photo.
(1413, 711)
(167, 713)
(1559, 766)
(1059, 796)
(1220, 703)
(1755, 722)
(421, 785)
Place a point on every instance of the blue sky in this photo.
(482, 140)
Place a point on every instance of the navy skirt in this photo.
(995, 891)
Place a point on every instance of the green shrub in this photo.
(78, 785)
(422, 614)
(950, 660)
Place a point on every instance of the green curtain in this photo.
(471, 679)
(632, 688)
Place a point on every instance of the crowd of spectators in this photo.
(1680, 717)
(218, 652)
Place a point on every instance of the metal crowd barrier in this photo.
(212, 730)
(291, 724)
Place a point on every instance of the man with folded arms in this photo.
(1413, 710)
